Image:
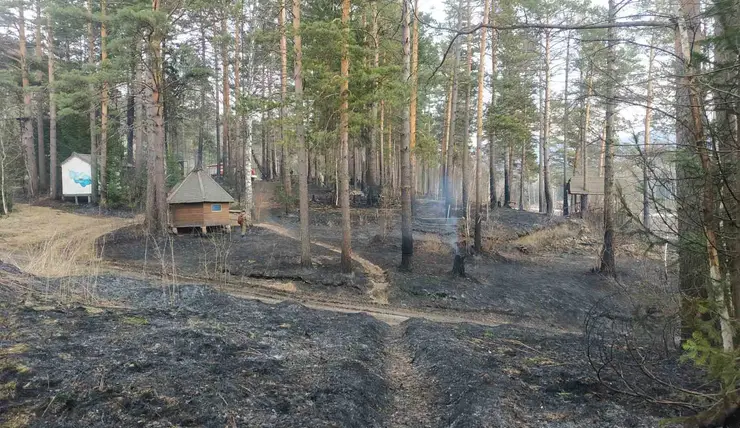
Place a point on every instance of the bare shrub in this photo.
(214, 256)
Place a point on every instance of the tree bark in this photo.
(450, 167)
(465, 152)
(3, 157)
(507, 176)
(301, 137)
(239, 163)
(445, 141)
(407, 240)
(284, 151)
(522, 174)
(40, 146)
(53, 161)
(414, 98)
(549, 206)
(26, 122)
(156, 204)
(688, 47)
(492, 134)
(218, 119)
(92, 108)
(479, 136)
(608, 262)
(346, 263)
(372, 176)
(646, 141)
(103, 109)
(566, 126)
(226, 114)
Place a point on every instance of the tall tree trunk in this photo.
(465, 152)
(156, 204)
(202, 106)
(414, 97)
(238, 163)
(729, 153)
(507, 175)
(103, 108)
(479, 136)
(445, 140)
(450, 167)
(226, 118)
(522, 175)
(608, 263)
(540, 144)
(301, 137)
(381, 160)
(346, 263)
(646, 140)
(216, 98)
(493, 202)
(3, 157)
(584, 138)
(53, 161)
(688, 47)
(566, 127)
(26, 122)
(40, 146)
(372, 176)
(407, 240)
(141, 112)
(92, 108)
(549, 206)
(284, 152)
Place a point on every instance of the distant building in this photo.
(77, 177)
(198, 201)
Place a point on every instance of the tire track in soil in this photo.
(376, 275)
(272, 292)
(411, 405)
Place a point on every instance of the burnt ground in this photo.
(219, 255)
(133, 352)
(145, 354)
(537, 269)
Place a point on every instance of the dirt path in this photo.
(412, 395)
(379, 284)
(275, 291)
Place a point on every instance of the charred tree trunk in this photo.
(346, 263)
(407, 240)
(300, 137)
(479, 137)
(608, 262)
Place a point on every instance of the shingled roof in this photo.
(198, 187)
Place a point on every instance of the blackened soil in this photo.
(149, 354)
(192, 358)
(508, 376)
(259, 254)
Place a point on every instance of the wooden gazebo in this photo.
(198, 201)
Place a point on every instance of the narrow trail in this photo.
(412, 405)
(379, 284)
(274, 291)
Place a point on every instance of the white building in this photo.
(77, 177)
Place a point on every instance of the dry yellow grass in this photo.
(52, 243)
